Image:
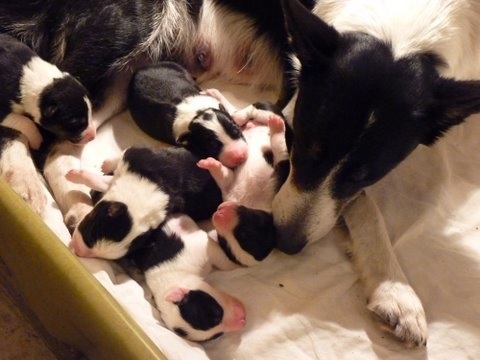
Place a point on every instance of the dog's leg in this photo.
(18, 169)
(73, 199)
(94, 181)
(277, 138)
(223, 176)
(26, 126)
(389, 296)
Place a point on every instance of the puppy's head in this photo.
(246, 235)
(201, 312)
(360, 110)
(66, 111)
(213, 133)
(124, 217)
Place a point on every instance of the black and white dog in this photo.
(36, 94)
(374, 82)
(146, 186)
(103, 44)
(167, 104)
(175, 260)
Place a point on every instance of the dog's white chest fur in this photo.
(445, 27)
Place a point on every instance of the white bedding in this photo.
(311, 305)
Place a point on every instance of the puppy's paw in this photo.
(215, 93)
(210, 164)
(29, 186)
(75, 175)
(75, 214)
(276, 124)
(400, 312)
(109, 165)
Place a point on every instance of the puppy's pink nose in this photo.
(78, 247)
(234, 154)
(88, 135)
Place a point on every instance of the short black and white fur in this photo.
(374, 82)
(147, 185)
(167, 104)
(40, 92)
(175, 260)
(36, 93)
(244, 223)
(103, 44)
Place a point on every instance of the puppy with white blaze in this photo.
(146, 186)
(36, 93)
(175, 259)
(243, 222)
(167, 104)
(103, 44)
(374, 82)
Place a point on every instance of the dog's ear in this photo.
(184, 138)
(313, 39)
(454, 101)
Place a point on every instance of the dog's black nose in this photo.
(289, 240)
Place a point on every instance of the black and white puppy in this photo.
(175, 260)
(370, 90)
(244, 222)
(36, 93)
(147, 185)
(167, 104)
(103, 44)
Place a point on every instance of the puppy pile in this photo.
(151, 198)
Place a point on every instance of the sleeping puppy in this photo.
(369, 91)
(104, 44)
(147, 185)
(36, 93)
(167, 104)
(244, 223)
(175, 260)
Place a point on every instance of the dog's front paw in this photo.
(400, 312)
(29, 187)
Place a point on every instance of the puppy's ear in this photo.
(116, 209)
(454, 101)
(184, 138)
(313, 39)
(176, 295)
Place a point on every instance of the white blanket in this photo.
(311, 305)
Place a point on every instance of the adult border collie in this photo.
(103, 43)
(376, 79)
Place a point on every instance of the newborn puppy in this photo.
(166, 103)
(36, 93)
(175, 259)
(147, 185)
(244, 223)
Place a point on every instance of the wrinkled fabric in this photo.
(311, 305)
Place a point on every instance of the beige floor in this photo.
(21, 334)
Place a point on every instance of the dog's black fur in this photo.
(62, 104)
(360, 107)
(161, 96)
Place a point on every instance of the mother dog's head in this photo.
(360, 110)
